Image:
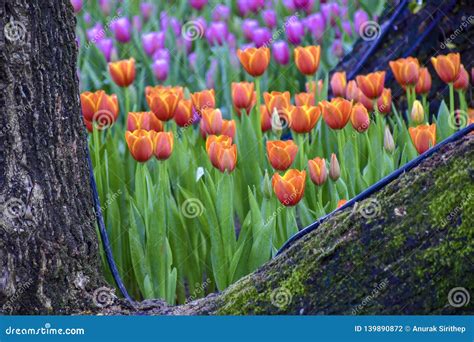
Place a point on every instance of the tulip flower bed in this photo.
(200, 187)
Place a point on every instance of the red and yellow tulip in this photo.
(183, 115)
(203, 99)
(336, 113)
(447, 66)
(162, 103)
(462, 82)
(423, 137)
(243, 96)
(254, 60)
(339, 83)
(223, 154)
(100, 108)
(384, 102)
(406, 71)
(360, 118)
(281, 153)
(143, 120)
(307, 59)
(423, 86)
(304, 99)
(265, 119)
(277, 100)
(228, 128)
(372, 84)
(163, 145)
(211, 122)
(140, 144)
(289, 188)
(303, 118)
(123, 72)
(318, 170)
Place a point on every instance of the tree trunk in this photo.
(439, 27)
(48, 243)
(408, 249)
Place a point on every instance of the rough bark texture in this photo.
(452, 30)
(413, 245)
(48, 243)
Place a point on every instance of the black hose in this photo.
(377, 186)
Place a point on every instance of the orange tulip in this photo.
(211, 122)
(163, 103)
(289, 188)
(341, 202)
(311, 86)
(228, 128)
(406, 71)
(318, 170)
(140, 144)
(447, 66)
(277, 100)
(360, 118)
(307, 59)
(302, 99)
(384, 102)
(281, 153)
(423, 137)
(100, 108)
(423, 85)
(243, 96)
(336, 113)
(123, 72)
(254, 60)
(221, 139)
(462, 82)
(303, 118)
(371, 84)
(183, 115)
(352, 91)
(223, 155)
(339, 83)
(203, 99)
(265, 119)
(163, 145)
(143, 120)
(368, 103)
(179, 91)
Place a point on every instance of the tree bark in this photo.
(400, 252)
(48, 243)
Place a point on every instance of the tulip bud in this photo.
(294, 31)
(281, 52)
(76, 5)
(261, 36)
(269, 17)
(417, 113)
(334, 168)
(198, 4)
(338, 83)
(266, 186)
(248, 26)
(388, 142)
(163, 145)
(316, 24)
(160, 69)
(318, 170)
(462, 82)
(122, 29)
(360, 118)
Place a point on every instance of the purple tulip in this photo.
(162, 54)
(76, 5)
(221, 13)
(248, 26)
(295, 31)
(330, 12)
(346, 26)
(87, 18)
(337, 48)
(175, 26)
(122, 28)
(316, 25)
(160, 69)
(269, 17)
(146, 9)
(210, 74)
(261, 36)
(106, 46)
(247, 46)
(289, 5)
(164, 20)
(243, 7)
(360, 17)
(255, 5)
(137, 23)
(198, 4)
(300, 4)
(281, 52)
(216, 33)
(95, 33)
(105, 6)
(231, 41)
(192, 58)
(153, 41)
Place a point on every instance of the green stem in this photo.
(258, 129)
(451, 98)
(340, 157)
(126, 95)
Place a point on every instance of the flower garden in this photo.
(217, 131)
